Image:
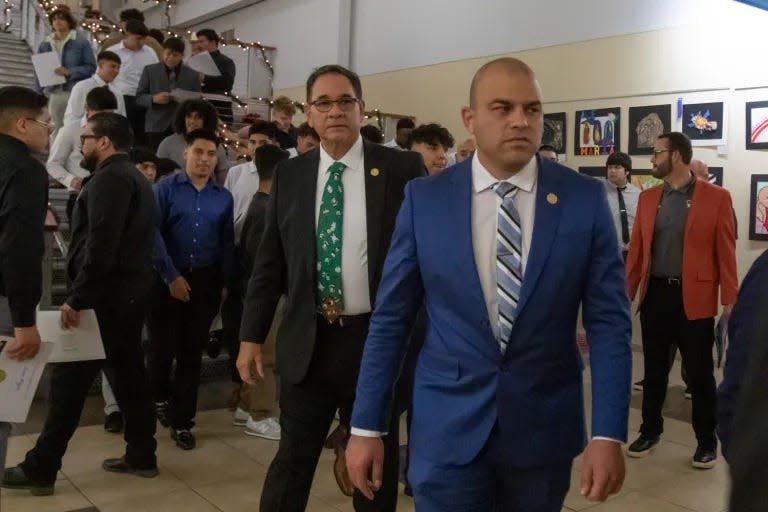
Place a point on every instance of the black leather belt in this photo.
(347, 320)
(669, 281)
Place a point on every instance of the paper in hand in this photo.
(77, 344)
(203, 63)
(19, 381)
(45, 64)
(181, 95)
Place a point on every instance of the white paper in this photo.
(181, 95)
(45, 63)
(19, 381)
(203, 63)
(79, 344)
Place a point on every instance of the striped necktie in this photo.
(509, 265)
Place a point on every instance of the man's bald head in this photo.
(700, 169)
(508, 64)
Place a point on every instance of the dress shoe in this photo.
(642, 446)
(184, 438)
(161, 411)
(120, 466)
(15, 478)
(704, 458)
(114, 422)
(341, 473)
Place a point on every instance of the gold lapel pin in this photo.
(552, 198)
(374, 172)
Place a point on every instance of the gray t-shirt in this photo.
(669, 231)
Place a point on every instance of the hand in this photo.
(69, 317)
(26, 343)
(61, 71)
(180, 289)
(76, 184)
(162, 98)
(602, 470)
(248, 358)
(365, 457)
(727, 310)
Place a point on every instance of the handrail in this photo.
(34, 23)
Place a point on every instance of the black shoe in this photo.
(161, 411)
(638, 386)
(704, 458)
(120, 466)
(114, 422)
(642, 446)
(687, 393)
(215, 342)
(184, 438)
(15, 478)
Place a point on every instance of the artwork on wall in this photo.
(643, 179)
(758, 208)
(704, 123)
(757, 125)
(597, 132)
(716, 176)
(645, 125)
(555, 132)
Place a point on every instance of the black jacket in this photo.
(113, 228)
(224, 82)
(253, 228)
(23, 205)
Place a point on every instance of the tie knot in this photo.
(504, 188)
(336, 168)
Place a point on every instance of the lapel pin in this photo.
(374, 172)
(552, 198)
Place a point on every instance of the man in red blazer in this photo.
(682, 249)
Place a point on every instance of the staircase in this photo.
(15, 61)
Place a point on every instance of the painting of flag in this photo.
(757, 125)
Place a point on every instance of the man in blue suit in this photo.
(498, 412)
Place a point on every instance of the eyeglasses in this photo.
(657, 152)
(50, 125)
(83, 138)
(345, 104)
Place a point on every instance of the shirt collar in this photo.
(483, 180)
(98, 80)
(353, 159)
(251, 167)
(685, 189)
(182, 177)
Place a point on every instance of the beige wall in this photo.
(638, 69)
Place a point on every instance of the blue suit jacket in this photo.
(463, 385)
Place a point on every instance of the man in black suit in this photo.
(110, 270)
(328, 227)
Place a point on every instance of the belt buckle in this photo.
(673, 280)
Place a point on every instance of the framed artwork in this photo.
(598, 132)
(716, 176)
(643, 179)
(758, 208)
(757, 125)
(555, 132)
(704, 123)
(645, 126)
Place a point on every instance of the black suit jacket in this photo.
(154, 79)
(287, 262)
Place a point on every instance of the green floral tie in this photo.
(329, 238)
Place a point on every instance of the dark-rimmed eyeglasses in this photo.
(345, 104)
(83, 138)
(657, 152)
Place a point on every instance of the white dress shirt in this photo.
(64, 158)
(354, 233)
(392, 144)
(243, 182)
(76, 103)
(631, 196)
(133, 64)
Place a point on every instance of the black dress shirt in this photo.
(223, 83)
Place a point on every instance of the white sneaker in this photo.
(266, 429)
(241, 417)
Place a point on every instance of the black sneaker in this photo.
(161, 410)
(687, 393)
(15, 478)
(184, 438)
(114, 423)
(642, 446)
(638, 386)
(120, 466)
(704, 458)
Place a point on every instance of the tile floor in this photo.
(226, 471)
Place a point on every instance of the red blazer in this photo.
(709, 249)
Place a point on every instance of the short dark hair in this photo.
(204, 110)
(267, 128)
(174, 44)
(681, 143)
(131, 14)
(65, 15)
(17, 101)
(547, 147)
(304, 130)
(194, 135)
(405, 122)
(110, 56)
(101, 98)
(619, 158)
(372, 133)
(114, 127)
(266, 158)
(209, 34)
(165, 166)
(285, 105)
(431, 133)
(141, 154)
(157, 35)
(136, 27)
(335, 69)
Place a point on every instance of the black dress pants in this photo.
(306, 414)
(120, 326)
(231, 316)
(179, 330)
(664, 323)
